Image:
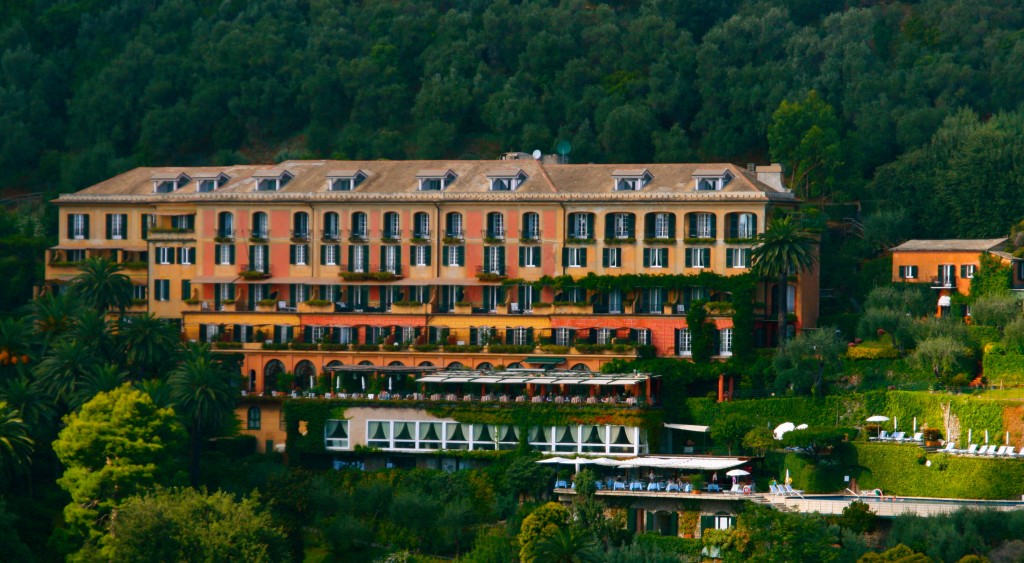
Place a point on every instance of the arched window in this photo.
(485, 365)
(620, 226)
(305, 374)
(453, 226)
(426, 364)
(742, 225)
(580, 367)
(260, 226)
(300, 225)
(392, 226)
(515, 365)
(331, 226)
(225, 224)
(253, 420)
(271, 370)
(421, 225)
(396, 363)
(456, 365)
(531, 226)
(359, 226)
(495, 225)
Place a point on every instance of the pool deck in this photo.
(887, 507)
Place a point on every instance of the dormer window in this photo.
(711, 180)
(434, 180)
(344, 180)
(631, 180)
(271, 180)
(167, 182)
(506, 180)
(209, 182)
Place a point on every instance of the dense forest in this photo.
(914, 101)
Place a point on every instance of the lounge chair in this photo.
(918, 437)
(897, 436)
(1001, 452)
(775, 490)
(791, 491)
(949, 449)
(882, 436)
(971, 450)
(736, 489)
(991, 450)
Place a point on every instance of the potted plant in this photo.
(931, 436)
(266, 305)
(316, 306)
(463, 307)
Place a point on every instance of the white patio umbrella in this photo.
(895, 423)
(788, 481)
(555, 460)
(801, 427)
(986, 436)
(878, 418)
(737, 473)
(1007, 442)
(970, 432)
(915, 425)
(781, 429)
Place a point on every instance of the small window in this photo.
(253, 420)
(211, 183)
(910, 272)
(344, 180)
(271, 180)
(630, 180)
(508, 182)
(712, 181)
(435, 180)
(725, 345)
(967, 271)
(684, 344)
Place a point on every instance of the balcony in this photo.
(493, 236)
(530, 236)
(454, 237)
(421, 236)
(943, 282)
(389, 236)
(258, 235)
(329, 235)
(490, 274)
(300, 235)
(358, 235)
(170, 233)
(253, 273)
(224, 235)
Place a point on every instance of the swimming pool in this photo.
(980, 503)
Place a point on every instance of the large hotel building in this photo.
(309, 265)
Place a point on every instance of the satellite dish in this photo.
(536, 154)
(563, 148)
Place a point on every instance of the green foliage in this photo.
(896, 470)
(1003, 367)
(944, 356)
(809, 359)
(913, 298)
(858, 518)
(817, 441)
(656, 548)
(995, 310)
(953, 536)
(16, 444)
(805, 137)
(730, 430)
(900, 554)
(542, 523)
(992, 278)
(120, 444)
(783, 247)
(185, 524)
(759, 439)
(101, 286)
(764, 534)
(702, 333)
(868, 352)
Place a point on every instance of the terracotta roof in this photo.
(716, 172)
(167, 175)
(629, 173)
(951, 245)
(392, 180)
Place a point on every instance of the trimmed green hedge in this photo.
(897, 470)
(689, 547)
(1003, 368)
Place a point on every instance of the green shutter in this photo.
(444, 255)
(565, 257)
(672, 225)
(351, 258)
(583, 257)
(323, 254)
(647, 258)
(430, 254)
(706, 252)
(630, 225)
(291, 254)
(186, 289)
(692, 218)
(649, 225)
(461, 255)
(609, 225)
(522, 256)
(734, 225)
(231, 254)
(728, 257)
(86, 226)
(714, 226)
(110, 226)
(689, 257)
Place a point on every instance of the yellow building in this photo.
(308, 264)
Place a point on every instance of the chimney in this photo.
(771, 175)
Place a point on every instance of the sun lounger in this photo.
(775, 490)
(897, 436)
(949, 449)
(1009, 452)
(991, 450)
(791, 491)
(1003, 451)
(882, 436)
(971, 450)
(918, 437)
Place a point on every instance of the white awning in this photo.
(945, 301)
(684, 462)
(688, 427)
(430, 379)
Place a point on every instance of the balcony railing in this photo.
(254, 272)
(493, 234)
(532, 235)
(329, 234)
(390, 235)
(225, 234)
(300, 234)
(358, 235)
(943, 282)
(458, 235)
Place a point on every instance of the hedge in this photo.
(684, 547)
(871, 353)
(898, 470)
(1003, 368)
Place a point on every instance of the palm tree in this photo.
(61, 371)
(15, 443)
(53, 315)
(94, 328)
(100, 285)
(202, 394)
(158, 390)
(100, 379)
(29, 399)
(785, 246)
(568, 545)
(148, 345)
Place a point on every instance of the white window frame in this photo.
(531, 226)
(725, 342)
(420, 254)
(408, 334)
(561, 337)
(581, 226)
(969, 269)
(574, 257)
(494, 265)
(164, 255)
(421, 224)
(605, 336)
(908, 272)
(162, 290)
(697, 258)
(531, 258)
(520, 335)
(301, 293)
(390, 259)
(644, 336)
(453, 256)
(301, 255)
(358, 258)
(260, 224)
(331, 255)
(393, 225)
(630, 184)
(737, 258)
(117, 223)
(224, 255)
(498, 225)
(614, 258)
(723, 522)
(317, 332)
(684, 347)
(225, 292)
(661, 224)
(78, 226)
(360, 224)
(188, 255)
(745, 225)
(458, 230)
(704, 225)
(656, 258)
(621, 226)
(344, 334)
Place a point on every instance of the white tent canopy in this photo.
(701, 463)
(688, 427)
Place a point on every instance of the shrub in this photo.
(871, 352)
(944, 356)
(1013, 335)
(511, 348)
(995, 310)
